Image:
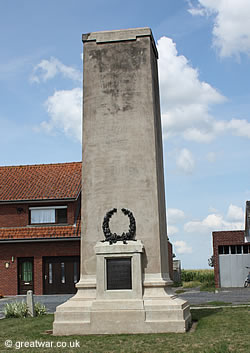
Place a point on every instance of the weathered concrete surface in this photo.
(123, 168)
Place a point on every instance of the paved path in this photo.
(194, 296)
(229, 295)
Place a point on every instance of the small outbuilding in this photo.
(232, 255)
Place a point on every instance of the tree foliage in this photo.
(211, 261)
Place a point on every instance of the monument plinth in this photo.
(122, 170)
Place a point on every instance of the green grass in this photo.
(218, 331)
(214, 303)
(180, 291)
(198, 278)
(207, 287)
(191, 284)
(204, 287)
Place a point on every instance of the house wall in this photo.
(36, 250)
(9, 217)
(224, 238)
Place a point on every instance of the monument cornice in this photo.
(120, 36)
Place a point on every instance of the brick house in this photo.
(231, 251)
(40, 228)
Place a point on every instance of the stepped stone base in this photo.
(148, 306)
(83, 316)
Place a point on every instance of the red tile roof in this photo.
(40, 182)
(39, 232)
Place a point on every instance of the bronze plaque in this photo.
(119, 273)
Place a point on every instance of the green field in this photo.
(217, 331)
(198, 278)
(197, 275)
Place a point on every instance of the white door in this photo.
(233, 269)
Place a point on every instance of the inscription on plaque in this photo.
(119, 273)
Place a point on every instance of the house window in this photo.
(48, 215)
(220, 249)
(223, 249)
(62, 272)
(239, 249)
(26, 274)
(75, 272)
(245, 249)
(233, 250)
(50, 274)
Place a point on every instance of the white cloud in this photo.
(235, 126)
(64, 109)
(235, 213)
(186, 101)
(185, 161)
(175, 215)
(197, 11)
(172, 230)
(48, 69)
(182, 247)
(193, 134)
(216, 222)
(231, 30)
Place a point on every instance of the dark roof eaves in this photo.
(70, 199)
(30, 240)
(229, 231)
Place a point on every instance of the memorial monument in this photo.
(124, 283)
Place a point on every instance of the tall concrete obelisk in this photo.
(122, 168)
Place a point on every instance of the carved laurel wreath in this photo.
(113, 237)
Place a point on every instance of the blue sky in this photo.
(204, 65)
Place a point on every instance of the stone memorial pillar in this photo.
(122, 169)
